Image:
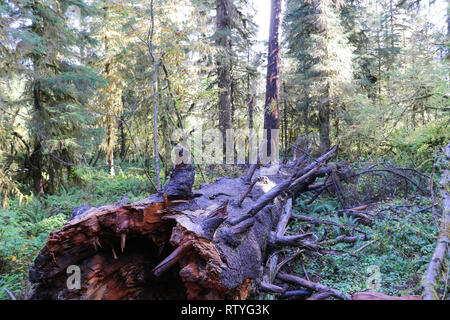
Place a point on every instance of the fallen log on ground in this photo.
(208, 244)
(223, 241)
(436, 267)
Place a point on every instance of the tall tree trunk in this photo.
(223, 21)
(123, 137)
(155, 101)
(285, 124)
(324, 126)
(110, 130)
(250, 126)
(37, 156)
(110, 147)
(271, 112)
(324, 103)
(123, 134)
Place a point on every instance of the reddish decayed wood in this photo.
(371, 295)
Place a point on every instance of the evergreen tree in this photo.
(58, 85)
(317, 40)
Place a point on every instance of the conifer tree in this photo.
(317, 40)
(58, 85)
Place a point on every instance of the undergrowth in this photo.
(404, 235)
(24, 227)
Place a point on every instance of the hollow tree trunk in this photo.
(208, 244)
(159, 248)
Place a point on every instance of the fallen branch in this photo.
(280, 230)
(395, 173)
(250, 188)
(10, 294)
(293, 182)
(313, 286)
(435, 267)
(364, 246)
(318, 221)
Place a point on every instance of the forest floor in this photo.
(403, 233)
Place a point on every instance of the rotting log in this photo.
(163, 247)
(177, 244)
(370, 295)
(436, 267)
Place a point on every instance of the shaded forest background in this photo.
(80, 82)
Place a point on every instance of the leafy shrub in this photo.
(418, 147)
(24, 228)
(406, 240)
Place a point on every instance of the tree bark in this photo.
(156, 249)
(110, 141)
(36, 157)
(123, 134)
(324, 127)
(176, 244)
(223, 61)
(271, 110)
(437, 263)
(155, 99)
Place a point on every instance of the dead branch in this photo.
(392, 170)
(435, 267)
(313, 286)
(318, 221)
(10, 294)
(365, 246)
(250, 188)
(291, 183)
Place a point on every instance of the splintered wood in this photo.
(164, 247)
(219, 242)
(179, 244)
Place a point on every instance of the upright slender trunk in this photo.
(223, 22)
(325, 102)
(233, 107)
(155, 101)
(110, 130)
(271, 112)
(110, 148)
(123, 137)
(123, 134)
(250, 126)
(378, 51)
(324, 125)
(285, 140)
(37, 156)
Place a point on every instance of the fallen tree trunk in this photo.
(208, 244)
(437, 264)
(222, 241)
(163, 247)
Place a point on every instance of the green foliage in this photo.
(405, 242)
(25, 226)
(22, 234)
(419, 147)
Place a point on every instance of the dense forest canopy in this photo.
(94, 95)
